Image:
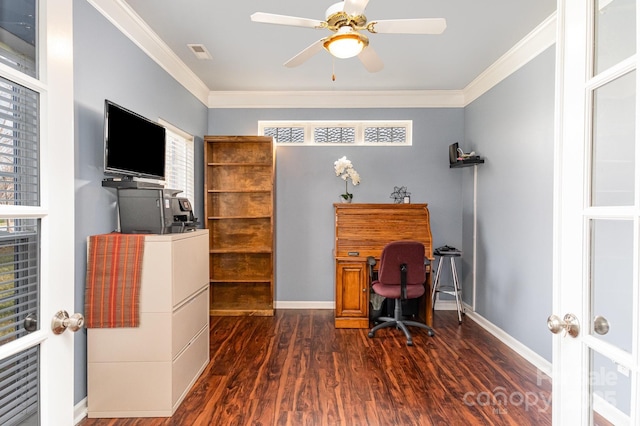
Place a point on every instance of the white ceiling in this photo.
(248, 56)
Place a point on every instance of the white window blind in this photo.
(19, 145)
(179, 170)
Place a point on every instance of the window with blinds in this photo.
(333, 133)
(19, 304)
(19, 145)
(19, 237)
(19, 388)
(179, 169)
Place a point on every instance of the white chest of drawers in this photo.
(148, 370)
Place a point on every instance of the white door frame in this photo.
(56, 210)
(571, 356)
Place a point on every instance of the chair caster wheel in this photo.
(459, 322)
(409, 342)
(430, 333)
(371, 334)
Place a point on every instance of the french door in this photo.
(597, 215)
(36, 211)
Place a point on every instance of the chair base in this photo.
(398, 322)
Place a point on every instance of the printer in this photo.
(154, 211)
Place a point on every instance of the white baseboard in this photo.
(448, 305)
(80, 411)
(536, 360)
(304, 305)
(610, 412)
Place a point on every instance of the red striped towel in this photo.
(114, 268)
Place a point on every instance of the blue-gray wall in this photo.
(107, 65)
(307, 187)
(512, 125)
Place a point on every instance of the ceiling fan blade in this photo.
(355, 7)
(271, 18)
(370, 59)
(305, 54)
(408, 26)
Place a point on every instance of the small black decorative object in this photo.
(399, 194)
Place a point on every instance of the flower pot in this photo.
(345, 200)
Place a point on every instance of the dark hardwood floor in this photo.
(295, 368)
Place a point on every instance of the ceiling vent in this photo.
(200, 51)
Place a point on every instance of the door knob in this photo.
(61, 321)
(600, 325)
(569, 324)
(30, 323)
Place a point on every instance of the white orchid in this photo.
(344, 169)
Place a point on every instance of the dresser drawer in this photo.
(188, 366)
(190, 258)
(128, 344)
(188, 319)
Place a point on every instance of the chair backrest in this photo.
(396, 253)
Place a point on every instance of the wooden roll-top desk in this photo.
(362, 230)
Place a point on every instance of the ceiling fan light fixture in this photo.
(346, 44)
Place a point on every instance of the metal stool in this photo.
(453, 290)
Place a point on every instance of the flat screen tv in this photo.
(134, 146)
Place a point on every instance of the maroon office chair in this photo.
(401, 276)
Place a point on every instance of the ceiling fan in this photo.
(346, 20)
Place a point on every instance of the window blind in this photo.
(19, 271)
(19, 389)
(179, 167)
(19, 141)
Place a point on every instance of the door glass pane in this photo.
(19, 388)
(19, 308)
(610, 390)
(19, 145)
(613, 163)
(615, 38)
(612, 281)
(18, 35)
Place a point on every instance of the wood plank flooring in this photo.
(295, 368)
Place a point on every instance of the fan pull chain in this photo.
(333, 69)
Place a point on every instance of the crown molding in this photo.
(534, 43)
(131, 25)
(339, 99)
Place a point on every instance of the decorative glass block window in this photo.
(288, 135)
(335, 133)
(376, 135)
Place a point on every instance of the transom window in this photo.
(332, 133)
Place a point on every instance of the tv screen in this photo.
(134, 146)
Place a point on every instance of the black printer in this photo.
(154, 211)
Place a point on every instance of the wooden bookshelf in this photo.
(239, 211)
